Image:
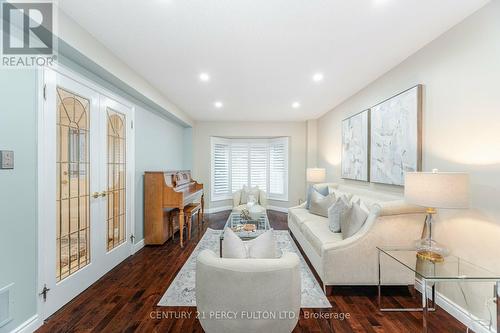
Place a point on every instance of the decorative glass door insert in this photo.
(72, 185)
(116, 142)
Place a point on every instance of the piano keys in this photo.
(163, 192)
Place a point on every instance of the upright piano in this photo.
(163, 192)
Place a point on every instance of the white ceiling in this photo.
(261, 54)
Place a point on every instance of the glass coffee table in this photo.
(452, 270)
(245, 229)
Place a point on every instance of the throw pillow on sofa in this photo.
(335, 212)
(322, 189)
(262, 247)
(353, 219)
(320, 203)
(339, 193)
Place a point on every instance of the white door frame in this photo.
(43, 164)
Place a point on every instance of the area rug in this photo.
(182, 290)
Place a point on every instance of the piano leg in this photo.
(203, 208)
(181, 226)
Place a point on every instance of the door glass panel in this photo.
(116, 178)
(72, 200)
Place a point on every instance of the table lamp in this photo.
(435, 190)
(315, 175)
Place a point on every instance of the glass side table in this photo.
(451, 269)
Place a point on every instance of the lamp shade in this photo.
(315, 175)
(437, 189)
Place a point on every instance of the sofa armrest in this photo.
(354, 259)
(302, 205)
(236, 198)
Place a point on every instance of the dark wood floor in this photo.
(125, 299)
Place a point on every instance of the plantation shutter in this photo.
(278, 169)
(251, 162)
(220, 168)
(239, 165)
(259, 165)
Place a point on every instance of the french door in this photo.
(87, 186)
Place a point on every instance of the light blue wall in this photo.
(188, 148)
(18, 232)
(158, 147)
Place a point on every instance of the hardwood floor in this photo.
(124, 300)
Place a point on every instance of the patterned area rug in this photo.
(182, 290)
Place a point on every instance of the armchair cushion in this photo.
(262, 247)
(246, 192)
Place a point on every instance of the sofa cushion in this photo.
(312, 218)
(318, 233)
(320, 203)
(298, 215)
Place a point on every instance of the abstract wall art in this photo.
(355, 145)
(396, 140)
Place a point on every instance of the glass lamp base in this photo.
(431, 250)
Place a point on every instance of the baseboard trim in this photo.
(456, 311)
(30, 325)
(218, 209)
(278, 209)
(137, 246)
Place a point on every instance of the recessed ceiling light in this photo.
(318, 77)
(295, 105)
(380, 2)
(218, 104)
(204, 77)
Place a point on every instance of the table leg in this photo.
(497, 300)
(199, 222)
(379, 283)
(190, 222)
(424, 307)
(220, 247)
(181, 226)
(203, 207)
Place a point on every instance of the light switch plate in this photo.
(6, 159)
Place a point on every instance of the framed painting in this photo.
(355, 145)
(396, 137)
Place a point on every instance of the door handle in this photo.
(96, 195)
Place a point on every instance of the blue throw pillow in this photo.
(321, 189)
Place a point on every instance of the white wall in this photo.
(296, 131)
(78, 38)
(460, 72)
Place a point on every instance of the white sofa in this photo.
(242, 288)
(238, 206)
(354, 260)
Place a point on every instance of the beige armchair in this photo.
(242, 287)
(238, 205)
